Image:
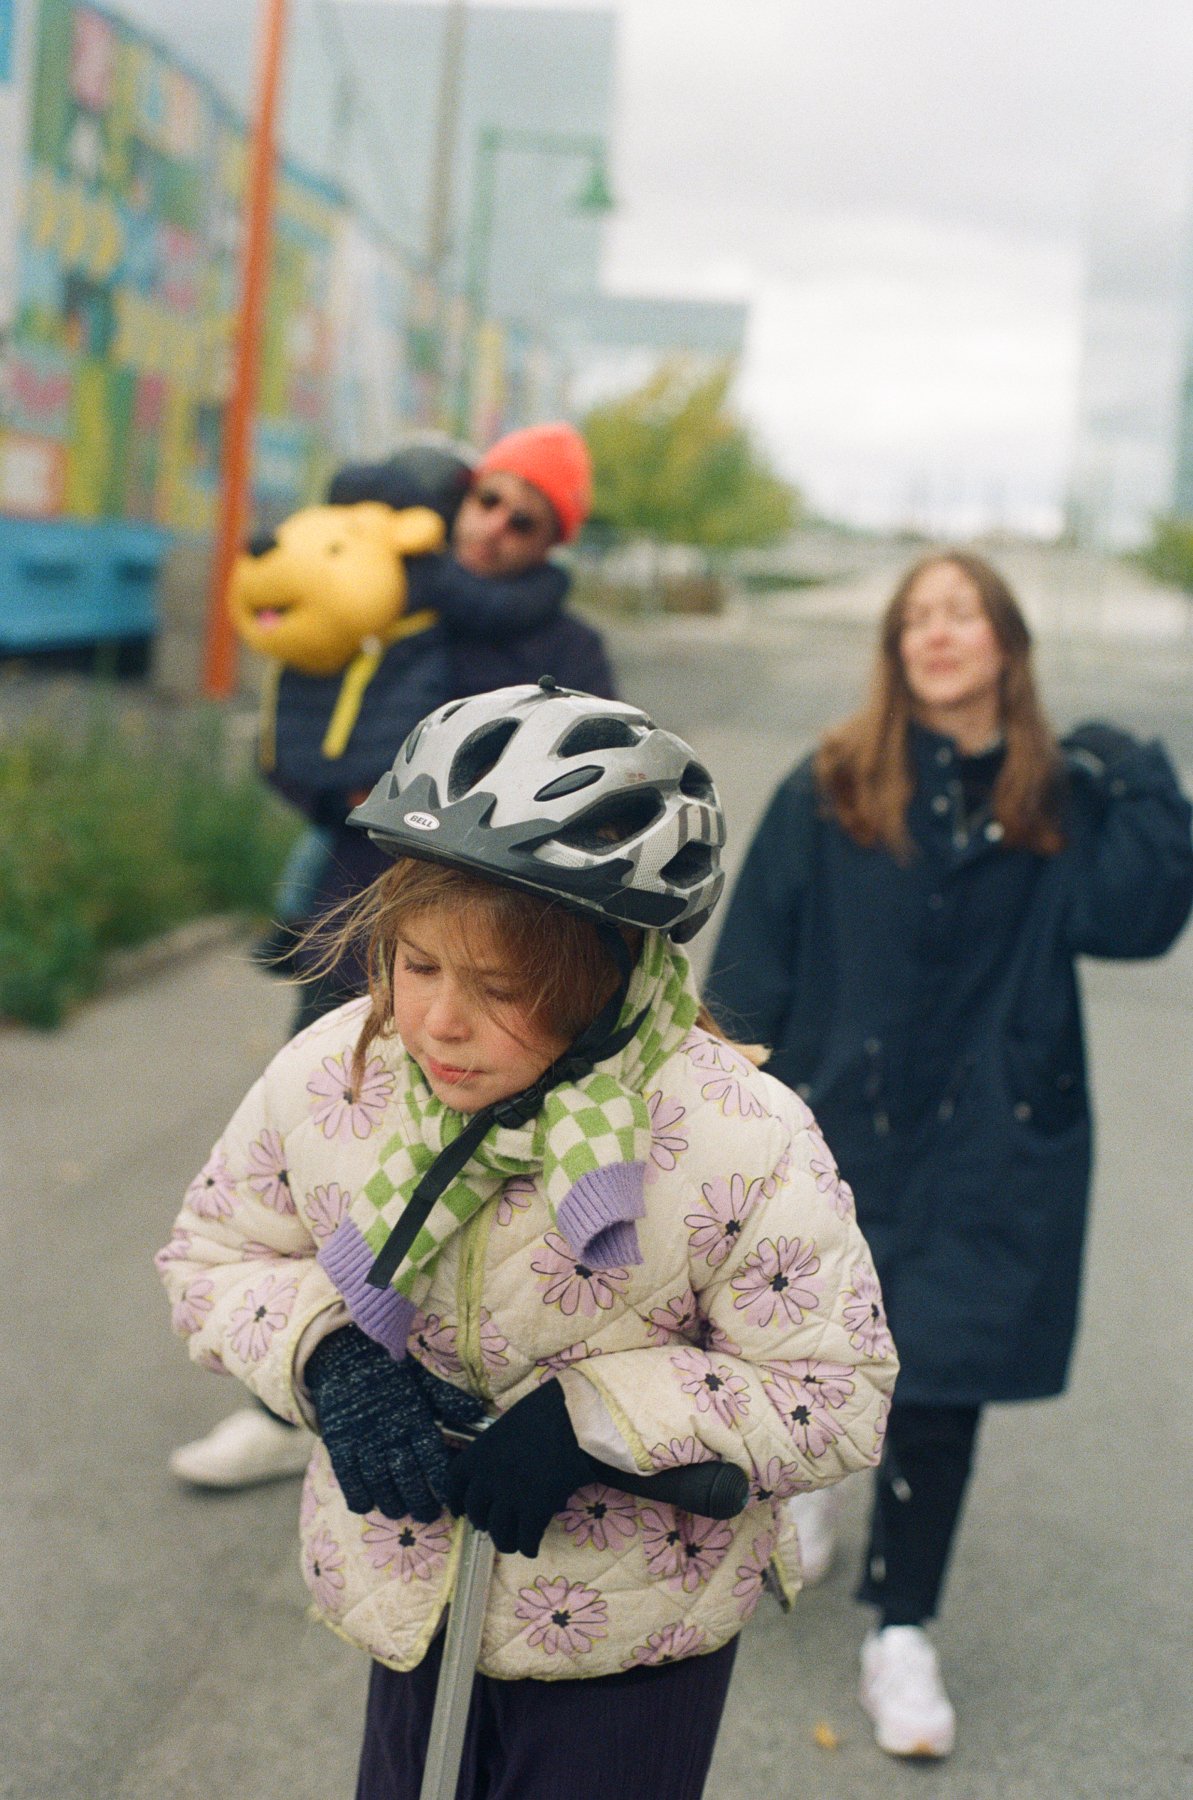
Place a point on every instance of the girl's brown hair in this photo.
(864, 765)
(565, 973)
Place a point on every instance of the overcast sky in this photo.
(906, 190)
(912, 195)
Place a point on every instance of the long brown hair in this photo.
(864, 766)
(565, 971)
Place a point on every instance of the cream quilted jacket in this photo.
(752, 1330)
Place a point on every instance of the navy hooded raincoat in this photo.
(929, 1013)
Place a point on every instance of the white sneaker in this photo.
(902, 1691)
(247, 1447)
(814, 1516)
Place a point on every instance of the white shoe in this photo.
(247, 1447)
(814, 1516)
(902, 1691)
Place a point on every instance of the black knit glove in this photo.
(1105, 743)
(377, 1418)
(520, 1472)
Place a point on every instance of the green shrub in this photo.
(114, 830)
(1169, 555)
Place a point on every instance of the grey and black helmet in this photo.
(544, 788)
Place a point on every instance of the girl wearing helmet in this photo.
(525, 1176)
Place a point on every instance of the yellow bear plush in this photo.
(330, 582)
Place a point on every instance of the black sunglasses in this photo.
(522, 524)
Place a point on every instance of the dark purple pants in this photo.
(645, 1735)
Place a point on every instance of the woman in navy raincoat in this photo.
(903, 934)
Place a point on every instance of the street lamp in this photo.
(594, 198)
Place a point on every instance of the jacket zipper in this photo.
(468, 1299)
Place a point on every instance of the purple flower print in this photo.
(714, 1386)
(327, 1208)
(679, 1453)
(574, 1286)
(193, 1305)
(601, 1516)
(811, 1425)
(412, 1551)
(670, 1644)
(713, 1232)
(212, 1194)
(750, 1575)
(770, 1184)
(776, 1481)
(864, 1317)
(825, 1383)
(704, 1051)
(265, 1310)
(676, 1319)
(268, 1174)
(564, 1616)
(434, 1342)
(212, 1361)
(681, 1549)
(516, 1196)
(323, 1569)
(734, 1098)
(711, 1336)
(727, 1087)
(343, 1111)
(667, 1144)
(828, 1177)
(776, 1280)
(553, 1365)
(493, 1345)
(177, 1250)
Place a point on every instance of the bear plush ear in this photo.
(416, 531)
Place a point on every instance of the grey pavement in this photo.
(156, 1644)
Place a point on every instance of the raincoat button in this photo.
(940, 804)
(994, 831)
(944, 756)
(1022, 1111)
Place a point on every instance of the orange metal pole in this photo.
(219, 662)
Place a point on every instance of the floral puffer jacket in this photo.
(752, 1330)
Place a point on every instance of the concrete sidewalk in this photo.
(156, 1643)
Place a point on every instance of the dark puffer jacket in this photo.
(931, 1017)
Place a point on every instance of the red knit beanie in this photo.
(552, 458)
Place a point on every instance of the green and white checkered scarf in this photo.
(583, 1126)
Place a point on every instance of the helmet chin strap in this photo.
(598, 1040)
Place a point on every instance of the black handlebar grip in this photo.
(715, 1490)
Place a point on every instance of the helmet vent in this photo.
(697, 783)
(599, 734)
(477, 755)
(689, 866)
(612, 822)
(571, 783)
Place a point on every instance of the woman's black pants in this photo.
(919, 1489)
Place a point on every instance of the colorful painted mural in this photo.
(117, 367)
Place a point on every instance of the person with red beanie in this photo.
(498, 594)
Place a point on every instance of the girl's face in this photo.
(951, 658)
(461, 1019)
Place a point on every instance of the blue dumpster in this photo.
(73, 582)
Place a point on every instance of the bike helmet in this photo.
(544, 788)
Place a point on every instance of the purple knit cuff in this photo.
(598, 1212)
(382, 1313)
